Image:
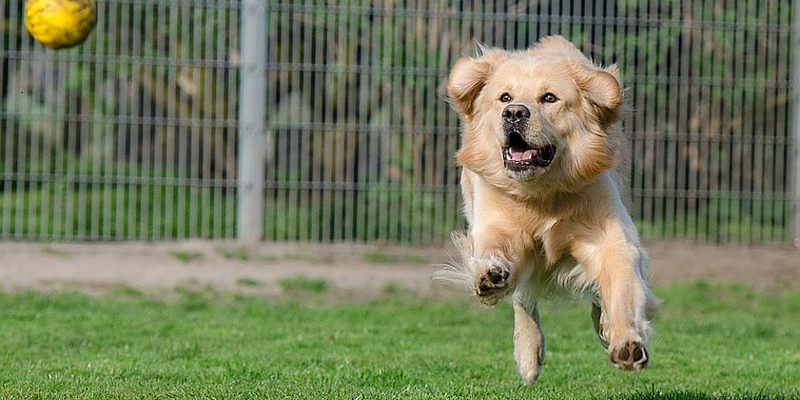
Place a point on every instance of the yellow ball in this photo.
(60, 23)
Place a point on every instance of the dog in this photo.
(541, 143)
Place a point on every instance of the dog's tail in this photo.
(455, 272)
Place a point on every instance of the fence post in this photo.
(794, 149)
(252, 120)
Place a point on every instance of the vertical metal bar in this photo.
(252, 120)
(208, 127)
(6, 142)
(292, 136)
(232, 25)
(784, 157)
(183, 126)
(195, 121)
(309, 201)
(763, 133)
(94, 166)
(411, 131)
(173, 133)
(136, 217)
(214, 198)
(19, 169)
(118, 222)
(795, 145)
(340, 214)
(326, 144)
(154, 165)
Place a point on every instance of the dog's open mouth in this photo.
(521, 156)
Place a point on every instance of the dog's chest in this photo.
(549, 243)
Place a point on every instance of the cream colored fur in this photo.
(556, 228)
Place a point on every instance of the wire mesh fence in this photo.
(133, 135)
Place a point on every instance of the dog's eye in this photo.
(549, 98)
(505, 97)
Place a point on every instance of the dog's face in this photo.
(543, 116)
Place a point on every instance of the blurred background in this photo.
(135, 134)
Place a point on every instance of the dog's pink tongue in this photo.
(523, 155)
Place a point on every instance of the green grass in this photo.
(186, 256)
(384, 258)
(714, 342)
(303, 284)
(241, 254)
(248, 281)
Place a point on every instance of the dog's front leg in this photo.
(626, 303)
(486, 265)
(528, 340)
(625, 299)
(487, 261)
(493, 277)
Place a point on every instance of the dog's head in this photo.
(545, 118)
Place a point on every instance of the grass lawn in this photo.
(713, 342)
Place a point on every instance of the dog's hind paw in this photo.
(630, 356)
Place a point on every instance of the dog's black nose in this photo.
(514, 113)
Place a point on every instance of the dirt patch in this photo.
(360, 270)
(760, 267)
(265, 268)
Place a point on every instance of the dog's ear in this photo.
(554, 45)
(604, 92)
(468, 77)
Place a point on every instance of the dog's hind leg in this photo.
(528, 340)
(598, 326)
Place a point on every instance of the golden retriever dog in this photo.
(541, 142)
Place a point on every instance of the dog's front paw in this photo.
(493, 281)
(629, 356)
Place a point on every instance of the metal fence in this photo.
(136, 133)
